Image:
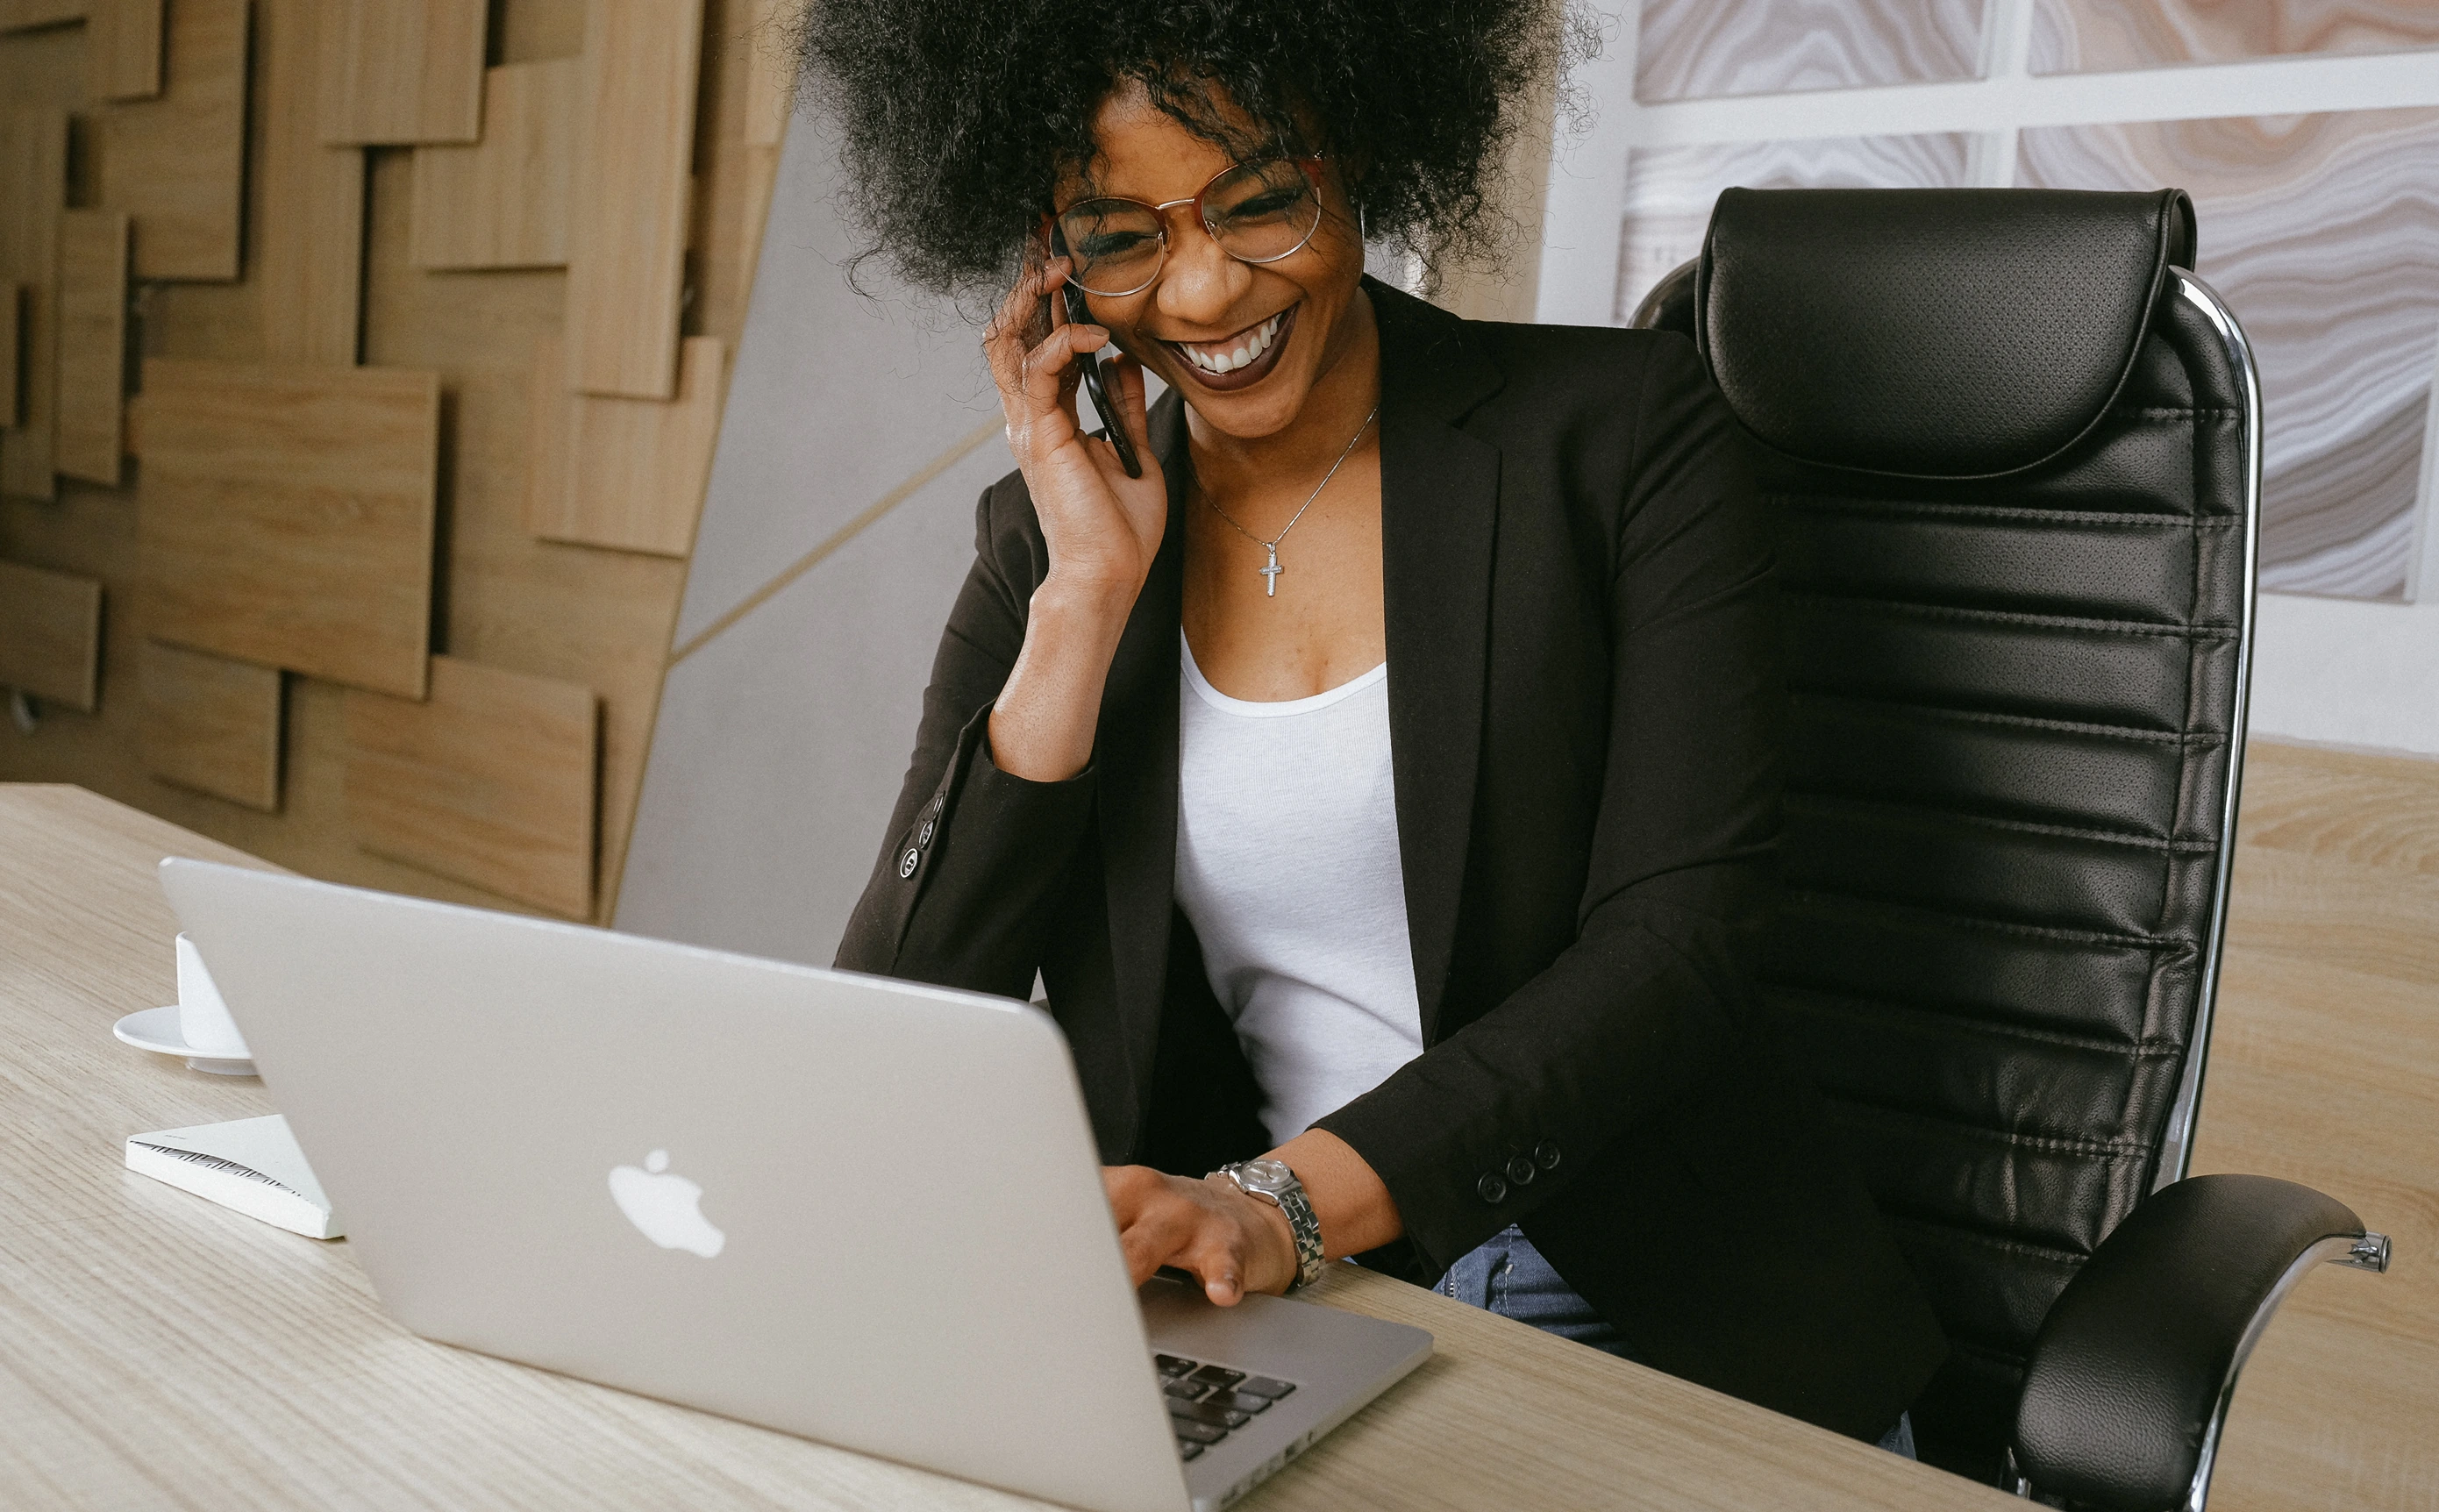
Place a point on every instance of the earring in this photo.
(1363, 222)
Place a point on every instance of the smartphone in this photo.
(1078, 313)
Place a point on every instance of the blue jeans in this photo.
(1506, 1276)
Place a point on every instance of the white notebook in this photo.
(251, 1165)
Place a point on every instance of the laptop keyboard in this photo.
(1207, 1402)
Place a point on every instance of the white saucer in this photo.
(156, 1029)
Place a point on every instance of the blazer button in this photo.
(1545, 1154)
(906, 864)
(1493, 1187)
(1520, 1170)
(924, 836)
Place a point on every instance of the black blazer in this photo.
(1584, 708)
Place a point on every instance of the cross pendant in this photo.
(1270, 574)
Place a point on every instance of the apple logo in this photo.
(663, 1206)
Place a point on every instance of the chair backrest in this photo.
(2012, 448)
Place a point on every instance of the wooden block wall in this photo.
(177, 164)
(287, 516)
(492, 780)
(626, 474)
(50, 634)
(503, 202)
(93, 344)
(770, 71)
(12, 353)
(397, 72)
(212, 724)
(627, 230)
(21, 15)
(326, 276)
(33, 194)
(123, 49)
(308, 257)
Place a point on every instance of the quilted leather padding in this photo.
(2008, 762)
(1943, 333)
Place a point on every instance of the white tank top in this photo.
(1288, 867)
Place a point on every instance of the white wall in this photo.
(2341, 671)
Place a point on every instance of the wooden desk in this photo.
(156, 1350)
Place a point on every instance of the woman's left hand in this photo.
(1231, 1242)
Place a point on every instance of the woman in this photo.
(1384, 782)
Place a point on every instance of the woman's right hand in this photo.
(1102, 528)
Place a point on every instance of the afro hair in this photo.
(956, 118)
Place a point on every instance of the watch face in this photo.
(1268, 1175)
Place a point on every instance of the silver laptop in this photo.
(860, 1210)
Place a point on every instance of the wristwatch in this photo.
(1272, 1182)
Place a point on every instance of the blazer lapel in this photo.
(1439, 517)
(1137, 751)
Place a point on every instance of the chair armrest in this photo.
(2131, 1375)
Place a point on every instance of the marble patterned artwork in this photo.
(2322, 233)
(1670, 190)
(1698, 49)
(2093, 36)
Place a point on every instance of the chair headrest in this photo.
(1931, 332)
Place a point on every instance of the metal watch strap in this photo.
(1307, 1228)
(1301, 1221)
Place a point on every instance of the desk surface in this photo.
(156, 1350)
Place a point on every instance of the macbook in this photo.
(859, 1210)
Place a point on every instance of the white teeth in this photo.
(1244, 356)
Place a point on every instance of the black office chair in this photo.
(2013, 450)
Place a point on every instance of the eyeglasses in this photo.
(1258, 212)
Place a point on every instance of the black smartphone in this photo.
(1078, 313)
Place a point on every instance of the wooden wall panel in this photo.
(550, 437)
(733, 188)
(492, 780)
(626, 474)
(33, 195)
(395, 72)
(286, 515)
(770, 70)
(532, 30)
(503, 202)
(12, 353)
(310, 237)
(598, 618)
(212, 724)
(122, 56)
(20, 15)
(93, 344)
(628, 229)
(177, 164)
(50, 634)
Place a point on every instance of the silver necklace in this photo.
(1270, 573)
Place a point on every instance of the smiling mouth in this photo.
(1236, 361)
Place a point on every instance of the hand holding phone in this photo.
(1079, 313)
